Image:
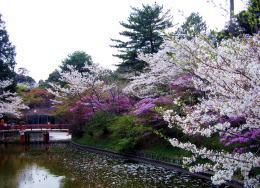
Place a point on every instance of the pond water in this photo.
(60, 166)
(59, 135)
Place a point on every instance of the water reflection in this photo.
(59, 135)
(35, 176)
(29, 167)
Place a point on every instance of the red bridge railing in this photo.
(35, 126)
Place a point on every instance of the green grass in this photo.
(164, 149)
(88, 140)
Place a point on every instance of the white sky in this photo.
(46, 31)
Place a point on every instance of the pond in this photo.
(60, 166)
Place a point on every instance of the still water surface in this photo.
(59, 166)
(30, 167)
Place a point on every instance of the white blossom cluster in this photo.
(229, 74)
(225, 164)
(10, 103)
(77, 82)
(160, 72)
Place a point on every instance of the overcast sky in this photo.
(46, 31)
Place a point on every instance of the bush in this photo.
(98, 125)
(125, 145)
(119, 133)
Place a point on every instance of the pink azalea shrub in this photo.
(89, 105)
(246, 140)
(146, 112)
(182, 83)
(147, 105)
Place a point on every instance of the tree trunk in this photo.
(231, 9)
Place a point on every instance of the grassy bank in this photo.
(161, 149)
(123, 134)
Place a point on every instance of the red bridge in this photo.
(31, 132)
(36, 126)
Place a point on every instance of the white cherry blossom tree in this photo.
(156, 79)
(10, 103)
(229, 77)
(77, 82)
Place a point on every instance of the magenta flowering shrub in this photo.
(146, 112)
(89, 105)
(184, 90)
(144, 106)
(182, 83)
(147, 105)
(246, 140)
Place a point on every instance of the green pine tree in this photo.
(78, 60)
(143, 34)
(193, 26)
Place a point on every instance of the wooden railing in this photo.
(35, 126)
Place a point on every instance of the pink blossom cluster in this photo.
(89, 105)
(182, 83)
(147, 105)
(248, 137)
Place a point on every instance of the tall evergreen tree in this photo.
(143, 34)
(78, 60)
(7, 56)
(193, 26)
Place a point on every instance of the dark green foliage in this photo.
(162, 148)
(144, 34)
(253, 16)
(118, 133)
(54, 76)
(193, 26)
(247, 22)
(22, 77)
(130, 63)
(25, 80)
(42, 84)
(98, 125)
(7, 56)
(78, 60)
